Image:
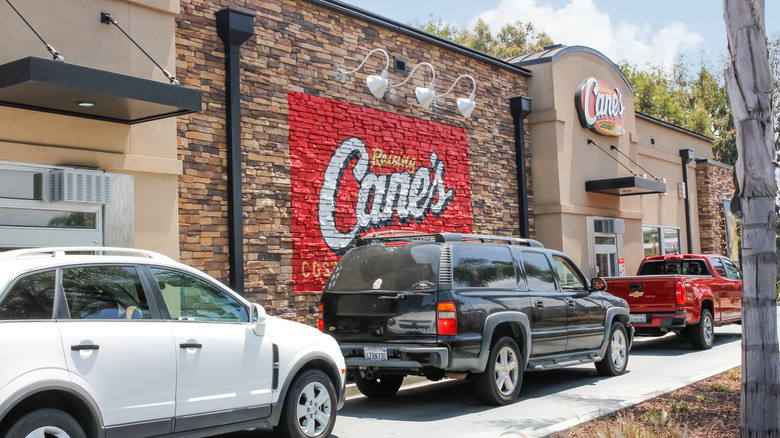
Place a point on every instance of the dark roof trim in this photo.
(557, 51)
(395, 26)
(673, 127)
(39, 84)
(714, 163)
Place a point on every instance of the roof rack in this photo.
(409, 236)
(62, 251)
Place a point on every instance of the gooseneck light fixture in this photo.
(425, 96)
(377, 84)
(465, 106)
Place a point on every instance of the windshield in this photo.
(402, 268)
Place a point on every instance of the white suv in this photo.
(110, 342)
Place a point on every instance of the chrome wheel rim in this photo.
(48, 432)
(709, 333)
(618, 349)
(507, 371)
(314, 409)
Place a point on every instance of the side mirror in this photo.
(598, 284)
(258, 318)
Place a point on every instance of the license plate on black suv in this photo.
(375, 353)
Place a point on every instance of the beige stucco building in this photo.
(607, 198)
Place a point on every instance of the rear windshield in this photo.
(387, 268)
(674, 267)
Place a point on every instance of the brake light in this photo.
(320, 321)
(679, 293)
(446, 318)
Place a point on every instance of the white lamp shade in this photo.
(466, 106)
(425, 96)
(377, 84)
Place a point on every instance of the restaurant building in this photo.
(303, 124)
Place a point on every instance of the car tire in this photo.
(500, 383)
(616, 358)
(702, 335)
(310, 407)
(46, 422)
(383, 387)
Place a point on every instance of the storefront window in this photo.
(671, 241)
(652, 241)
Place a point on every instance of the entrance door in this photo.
(606, 255)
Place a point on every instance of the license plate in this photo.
(375, 353)
(640, 318)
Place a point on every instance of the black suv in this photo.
(468, 306)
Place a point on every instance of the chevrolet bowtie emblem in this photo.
(636, 294)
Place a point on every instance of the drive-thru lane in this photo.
(549, 401)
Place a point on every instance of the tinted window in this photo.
(191, 298)
(29, 297)
(104, 292)
(483, 266)
(387, 268)
(568, 275)
(674, 267)
(718, 265)
(538, 272)
(732, 271)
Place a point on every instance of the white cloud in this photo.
(580, 22)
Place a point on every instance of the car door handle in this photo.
(540, 304)
(80, 347)
(190, 345)
(570, 303)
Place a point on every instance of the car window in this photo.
(191, 298)
(393, 268)
(732, 271)
(483, 266)
(538, 272)
(29, 297)
(718, 265)
(568, 275)
(104, 292)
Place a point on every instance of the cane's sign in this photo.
(600, 107)
(355, 170)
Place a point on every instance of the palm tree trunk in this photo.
(749, 85)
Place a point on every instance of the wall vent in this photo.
(609, 226)
(80, 185)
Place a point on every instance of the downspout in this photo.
(686, 155)
(234, 27)
(521, 107)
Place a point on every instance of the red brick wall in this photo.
(297, 49)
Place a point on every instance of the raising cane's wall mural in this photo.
(356, 170)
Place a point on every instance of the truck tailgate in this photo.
(645, 294)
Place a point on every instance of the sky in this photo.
(639, 31)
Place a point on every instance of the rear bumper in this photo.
(407, 357)
(659, 322)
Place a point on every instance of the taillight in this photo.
(679, 293)
(320, 321)
(446, 318)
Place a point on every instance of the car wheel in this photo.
(702, 335)
(500, 383)
(310, 407)
(616, 358)
(383, 387)
(49, 423)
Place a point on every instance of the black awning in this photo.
(43, 85)
(625, 186)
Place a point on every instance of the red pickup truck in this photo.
(685, 294)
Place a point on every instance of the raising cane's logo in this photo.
(355, 170)
(600, 107)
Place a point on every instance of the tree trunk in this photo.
(749, 85)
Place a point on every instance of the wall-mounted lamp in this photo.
(425, 96)
(465, 105)
(377, 84)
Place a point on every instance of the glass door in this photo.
(606, 255)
